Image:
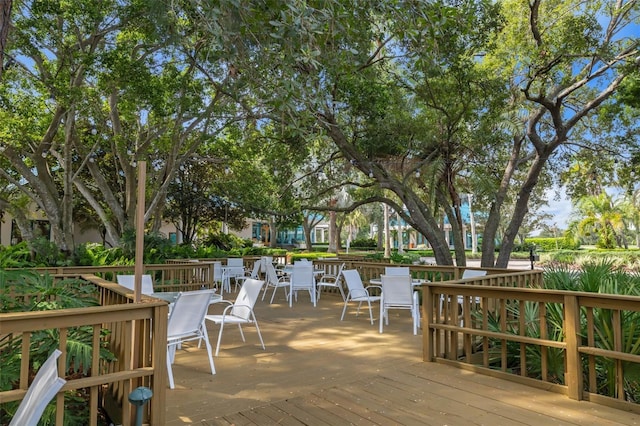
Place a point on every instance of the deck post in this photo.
(427, 317)
(573, 376)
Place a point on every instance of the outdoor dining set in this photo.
(188, 310)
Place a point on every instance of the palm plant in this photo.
(22, 291)
(603, 217)
(595, 277)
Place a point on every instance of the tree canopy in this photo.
(289, 105)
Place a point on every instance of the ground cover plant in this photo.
(597, 277)
(25, 291)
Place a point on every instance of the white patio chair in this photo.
(46, 384)
(255, 273)
(241, 311)
(398, 293)
(217, 273)
(468, 273)
(276, 282)
(302, 279)
(397, 270)
(331, 281)
(471, 273)
(128, 281)
(234, 269)
(186, 323)
(357, 292)
(264, 261)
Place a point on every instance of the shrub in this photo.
(550, 244)
(365, 243)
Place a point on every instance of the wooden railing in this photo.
(475, 323)
(119, 326)
(177, 276)
(584, 345)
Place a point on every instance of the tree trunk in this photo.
(380, 234)
(5, 22)
(387, 233)
(455, 220)
(419, 214)
(273, 233)
(519, 211)
(493, 220)
(306, 228)
(399, 235)
(472, 224)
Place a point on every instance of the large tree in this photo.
(95, 90)
(339, 69)
(564, 60)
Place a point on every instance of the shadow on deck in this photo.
(318, 370)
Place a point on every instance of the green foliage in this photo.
(368, 243)
(15, 256)
(225, 242)
(624, 259)
(24, 290)
(406, 258)
(94, 254)
(46, 253)
(596, 277)
(550, 244)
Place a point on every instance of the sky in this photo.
(560, 209)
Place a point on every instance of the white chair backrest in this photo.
(217, 271)
(397, 290)
(264, 261)
(339, 273)
(354, 282)
(247, 297)
(128, 281)
(472, 273)
(236, 265)
(302, 262)
(187, 313)
(271, 274)
(235, 261)
(255, 272)
(44, 387)
(302, 276)
(397, 270)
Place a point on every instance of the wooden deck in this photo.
(318, 370)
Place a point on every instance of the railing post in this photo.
(427, 316)
(573, 376)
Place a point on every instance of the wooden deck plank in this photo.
(433, 408)
(482, 398)
(322, 408)
(390, 411)
(299, 410)
(318, 370)
(534, 405)
(270, 415)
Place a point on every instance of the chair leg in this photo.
(219, 337)
(170, 370)
(344, 309)
(342, 292)
(208, 345)
(241, 332)
(258, 330)
(381, 315)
